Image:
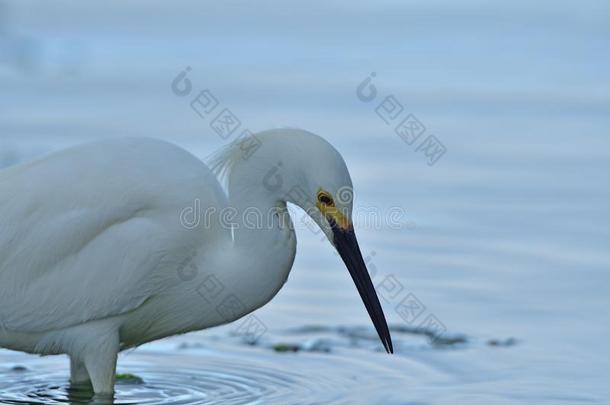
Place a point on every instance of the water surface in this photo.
(504, 241)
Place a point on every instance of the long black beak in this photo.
(347, 246)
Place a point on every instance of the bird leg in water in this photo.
(78, 372)
(100, 360)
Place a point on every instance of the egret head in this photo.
(317, 180)
(301, 168)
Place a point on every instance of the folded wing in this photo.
(94, 231)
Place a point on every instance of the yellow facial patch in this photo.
(326, 205)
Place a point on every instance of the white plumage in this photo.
(92, 246)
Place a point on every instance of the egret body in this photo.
(96, 256)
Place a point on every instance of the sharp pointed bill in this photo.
(347, 246)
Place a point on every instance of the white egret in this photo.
(100, 252)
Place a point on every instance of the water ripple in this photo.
(217, 381)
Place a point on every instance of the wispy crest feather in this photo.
(224, 160)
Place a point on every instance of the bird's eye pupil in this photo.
(324, 199)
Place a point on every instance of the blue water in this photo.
(503, 241)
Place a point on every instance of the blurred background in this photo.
(484, 123)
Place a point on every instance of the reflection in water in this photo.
(195, 371)
(16, 50)
(330, 339)
(223, 382)
(33, 54)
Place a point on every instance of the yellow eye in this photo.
(325, 198)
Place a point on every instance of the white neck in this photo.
(264, 243)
